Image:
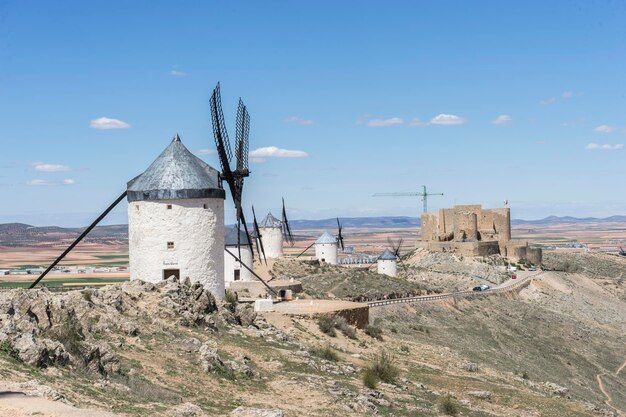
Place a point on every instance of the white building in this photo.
(271, 230)
(233, 270)
(176, 221)
(387, 263)
(326, 249)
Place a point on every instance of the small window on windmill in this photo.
(137, 207)
(169, 206)
(170, 245)
(204, 206)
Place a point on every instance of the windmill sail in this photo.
(259, 243)
(233, 178)
(286, 229)
(339, 235)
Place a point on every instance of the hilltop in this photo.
(137, 349)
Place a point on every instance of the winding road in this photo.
(507, 286)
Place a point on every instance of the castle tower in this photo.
(176, 221)
(387, 263)
(271, 230)
(233, 270)
(326, 249)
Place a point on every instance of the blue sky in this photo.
(484, 101)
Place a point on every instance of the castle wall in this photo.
(196, 234)
(465, 224)
(534, 255)
(272, 238)
(430, 226)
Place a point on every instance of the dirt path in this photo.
(620, 368)
(13, 404)
(606, 394)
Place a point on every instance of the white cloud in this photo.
(299, 120)
(43, 167)
(447, 120)
(46, 183)
(392, 121)
(503, 119)
(177, 73)
(206, 151)
(547, 101)
(259, 154)
(567, 94)
(605, 146)
(40, 183)
(104, 123)
(604, 129)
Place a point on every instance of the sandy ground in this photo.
(21, 405)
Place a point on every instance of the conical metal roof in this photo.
(230, 237)
(176, 174)
(387, 255)
(270, 222)
(326, 238)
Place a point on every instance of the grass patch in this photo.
(328, 324)
(374, 331)
(370, 380)
(382, 368)
(449, 406)
(325, 352)
(7, 350)
(231, 298)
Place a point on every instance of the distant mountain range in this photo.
(20, 234)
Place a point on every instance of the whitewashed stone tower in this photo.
(387, 263)
(233, 270)
(271, 230)
(176, 221)
(326, 249)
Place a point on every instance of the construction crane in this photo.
(424, 194)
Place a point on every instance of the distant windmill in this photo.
(235, 177)
(340, 243)
(424, 194)
(395, 246)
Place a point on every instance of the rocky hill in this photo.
(555, 348)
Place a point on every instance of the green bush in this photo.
(87, 294)
(231, 298)
(325, 352)
(448, 406)
(374, 331)
(370, 380)
(7, 350)
(383, 367)
(404, 348)
(70, 334)
(327, 325)
(343, 326)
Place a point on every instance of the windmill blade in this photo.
(219, 132)
(339, 235)
(397, 248)
(242, 134)
(259, 242)
(286, 229)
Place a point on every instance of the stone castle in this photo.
(471, 230)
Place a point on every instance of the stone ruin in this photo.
(470, 230)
